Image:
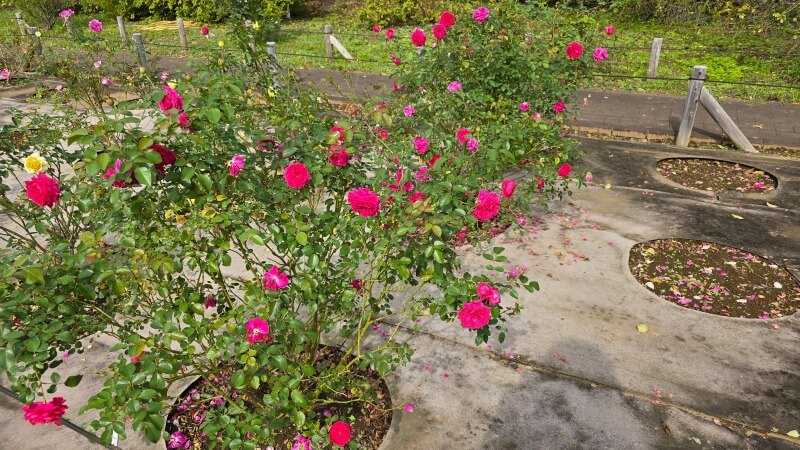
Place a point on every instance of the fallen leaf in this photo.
(759, 126)
(607, 186)
(793, 434)
(771, 205)
(642, 328)
(737, 217)
(775, 430)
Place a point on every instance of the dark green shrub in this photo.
(41, 13)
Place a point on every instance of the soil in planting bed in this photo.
(715, 278)
(369, 420)
(716, 176)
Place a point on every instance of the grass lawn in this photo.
(731, 55)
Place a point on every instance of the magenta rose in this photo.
(364, 202)
(474, 315)
(167, 157)
(600, 54)
(487, 206)
(461, 135)
(574, 50)
(296, 175)
(488, 294)
(421, 144)
(257, 330)
(609, 30)
(559, 107)
(40, 412)
(337, 155)
(439, 31)
(480, 14)
(418, 38)
(43, 190)
(564, 170)
(447, 19)
(172, 100)
(390, 34)
(95, 26)
(508, 187)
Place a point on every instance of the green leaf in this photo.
(302, 238)
(152, 433)
(298, 397)
(73, 380)
(144, 175)
(144, 143)
(237, 380)
(102, 160)
(299, 418)
(213, 115)
(205, 181)
(33, 275)
(187, 173)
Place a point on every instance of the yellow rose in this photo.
(34, 163)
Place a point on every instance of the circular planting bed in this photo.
(715, 278)
(716, 176)
(203, 398)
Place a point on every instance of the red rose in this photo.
(167, 157)
(418, 38)
(564, 170)
(40, 412)
(339, 131)
(296, 175)
(508, 187)
(339, 433)
(337, 155)
(43, 190)
(433, 160)
(487, 206)
(204, 30)
(439, 31)
(574, 50)
(474, 315)
(447, 19)
(540, 182)
(461, 134)
(172, 100)
(364, 202)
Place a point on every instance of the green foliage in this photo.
(397, 12)
(41, 13)
(201, 10)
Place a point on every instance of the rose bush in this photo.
(221, 227)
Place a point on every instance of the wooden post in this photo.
(272, 55)
(328, 30)
(137, 39)
(340, 48)
(288, 12)
(23, 27)
(725, 122)
(655, 54)
(182, 34)
(271, 51)
(690, 109)
(121, 26)
(37, 43)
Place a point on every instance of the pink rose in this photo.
(337, 155)
(172, 100)
(524, 106)
(421, 144)
(40, 412)
(588, 178)
(184, 121)
(474, 315)
(338, 131)
(537, 116)
(488, 293)
(296, 175)
(559, 107)
(409, 110)
(480, 14)
(389, 34)
(376, 28)
(609, 30)
(95, 26)
(274, 279)
(418, 38)
(564, 170)
(508, 187)
(204, 30)
(472, 145)
(257, 330)
(236, 165)
(574, 50)
(43, 190)
(439, 31)
(395, 60)
(447, 19)
(364, 202)
(487, 206)
(600, 54)
(454, 86)
(461, 135)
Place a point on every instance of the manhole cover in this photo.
(715, 278)
(714, 175)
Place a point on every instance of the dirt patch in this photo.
(369, 427)
(715, 278)
(715, 175)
